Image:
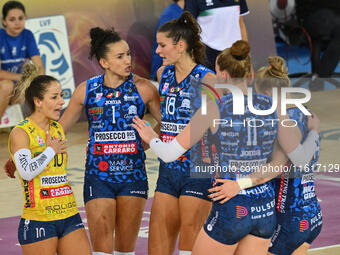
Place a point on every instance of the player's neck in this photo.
(242, 84)
(184, 66)
(113, 80)
(41, 121)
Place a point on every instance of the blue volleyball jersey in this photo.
(295, 189)
(15, 50)
(114, 152)
(176, 109)
(246, 141)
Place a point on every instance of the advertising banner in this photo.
(51, 36)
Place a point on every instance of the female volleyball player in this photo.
(50, 222)
(234, 225)
(180, 204)
(299, 217)
(115, 185)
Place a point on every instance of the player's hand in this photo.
(10, 168)
(206, 160)
(58, 145)
(313, 123)
(144, 129)
(224, 192)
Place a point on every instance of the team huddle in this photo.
(231, 212)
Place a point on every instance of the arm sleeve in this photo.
(28, 167)
(192, 6)
(303, 154)
(32, 47)
(167, 152)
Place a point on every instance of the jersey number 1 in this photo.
(113, 115)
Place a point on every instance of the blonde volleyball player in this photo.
(231, 227)
(298, 213)
(50, 222)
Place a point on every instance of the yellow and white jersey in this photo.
(47, 196)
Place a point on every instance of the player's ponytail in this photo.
(236, 60)
(277, 67)
(31, 85)
(100, 39)
(186, 28)
(273, 75)
(197, 46)
(30, 71)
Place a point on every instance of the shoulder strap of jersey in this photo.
(166, 70)
(204, 69)
(295, 113)
(25, 125)
(130, 78)
(92, 84)
(131, 81)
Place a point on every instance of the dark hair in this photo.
(37, 89)
(12, 5)
(186, 28)
(236, 60)
(100, 38)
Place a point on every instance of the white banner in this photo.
(51, 36)
(12, 116)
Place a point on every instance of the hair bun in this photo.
(277, 66)
(96, 32)
(240, 49)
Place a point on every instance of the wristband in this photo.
(244, 182)
(167, 152)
